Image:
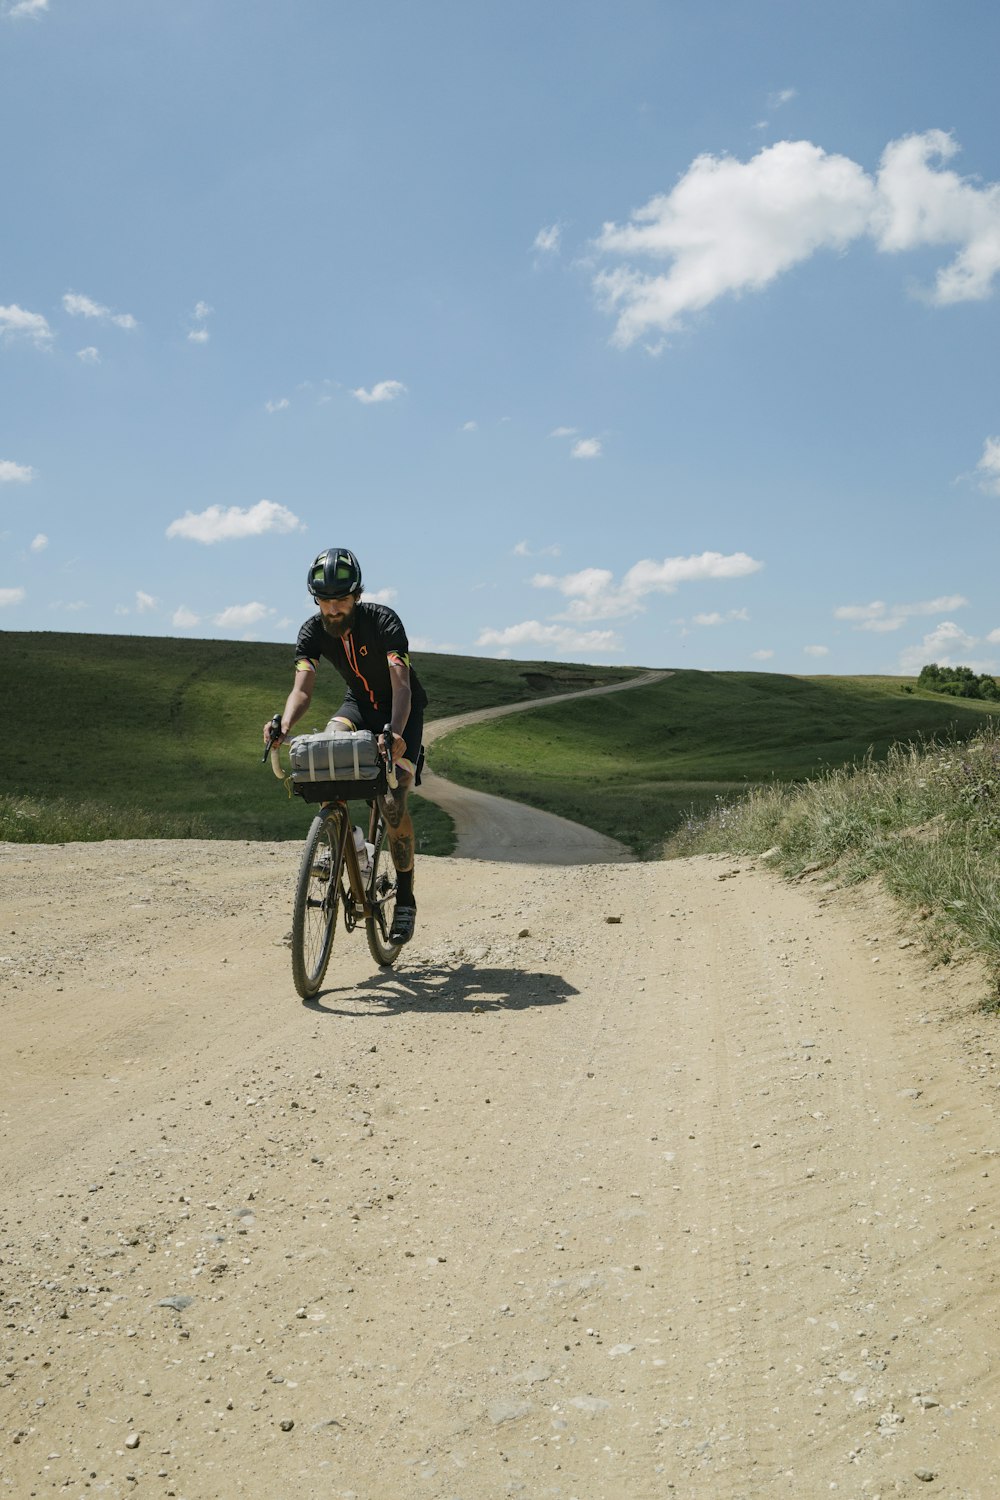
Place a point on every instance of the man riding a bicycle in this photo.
(368, 646)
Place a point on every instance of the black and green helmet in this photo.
(335, 574)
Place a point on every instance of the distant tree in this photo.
(958, 682)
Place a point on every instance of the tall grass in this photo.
(926, 819)
(62, 820)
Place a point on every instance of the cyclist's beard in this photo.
(339, 626)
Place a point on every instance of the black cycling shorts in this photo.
(413, 734)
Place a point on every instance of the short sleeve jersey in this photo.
(362, 658)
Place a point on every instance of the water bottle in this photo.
(364, 852)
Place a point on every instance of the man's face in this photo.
(338, 615)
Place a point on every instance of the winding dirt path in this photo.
(494, 828)
(633, 1181)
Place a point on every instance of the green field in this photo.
(637, 766)
(142, 737)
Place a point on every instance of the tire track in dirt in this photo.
(495, 828)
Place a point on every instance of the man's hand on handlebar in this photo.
(398, 744)
(272, 736)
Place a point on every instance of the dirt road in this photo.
(494, 828)
(701, 1202)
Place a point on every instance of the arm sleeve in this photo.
(393, 636)
(308, 649)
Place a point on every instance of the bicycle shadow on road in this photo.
(438, 989)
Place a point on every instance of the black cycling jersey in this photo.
(362, 658)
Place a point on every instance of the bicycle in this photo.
(330, 878)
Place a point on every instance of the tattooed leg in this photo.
(397, 816)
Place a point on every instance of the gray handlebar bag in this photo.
(338, 763)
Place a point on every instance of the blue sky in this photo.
(654, 333)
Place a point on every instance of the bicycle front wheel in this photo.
(314, 915)
(382, 901)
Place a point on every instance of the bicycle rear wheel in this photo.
(314, 915)
(382, 899)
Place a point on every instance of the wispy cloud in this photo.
(144, 603)
(730, 226)
(470, 427)
(89, 356)
(219, 524)
(761, 655)
(199, 334)
(10, 597)
(12, 473)
(882, 617)
(555, 637)
(40, 542)
(988, 467)
(16, 322)
(715, 618)
(587, 448)
(593, 593)
(385, 390)
(547, 239)
(523, 550)
(381, 596)
(184, 618)
(282, 404)
(816, 650)
(19, 10)
(242, 616)
(563, 432)
(79, 306)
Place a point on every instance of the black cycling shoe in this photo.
(403, 922)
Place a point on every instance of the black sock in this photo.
(404, 888)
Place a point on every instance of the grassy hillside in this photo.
(138, 736)
(636, 766)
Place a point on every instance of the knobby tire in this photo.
(314, 915)
(382, 896)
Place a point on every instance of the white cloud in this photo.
(380, 596)
(17, 322)
(816, 650)
(559, 637)
(470, 426)
(40, 542)
(385, 390)
(715, 618)
(201, 312)
(144, 603)
(21, 9)
(223, 525)
(730, 226)
(184, 619)
(9, 597)
(547, 240)
(988, 466)
(882, 617)
(70, 606)
(89, 356)
(563, 432)
(994, 637)
(282, 404)
(947, 644)
(241, 616)
(79, 306)
(594, 595)
(761, 655)
(587, 448)
(783, 96)
(12, 473)
(523, 550)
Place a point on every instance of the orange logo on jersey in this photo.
(364, 650)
